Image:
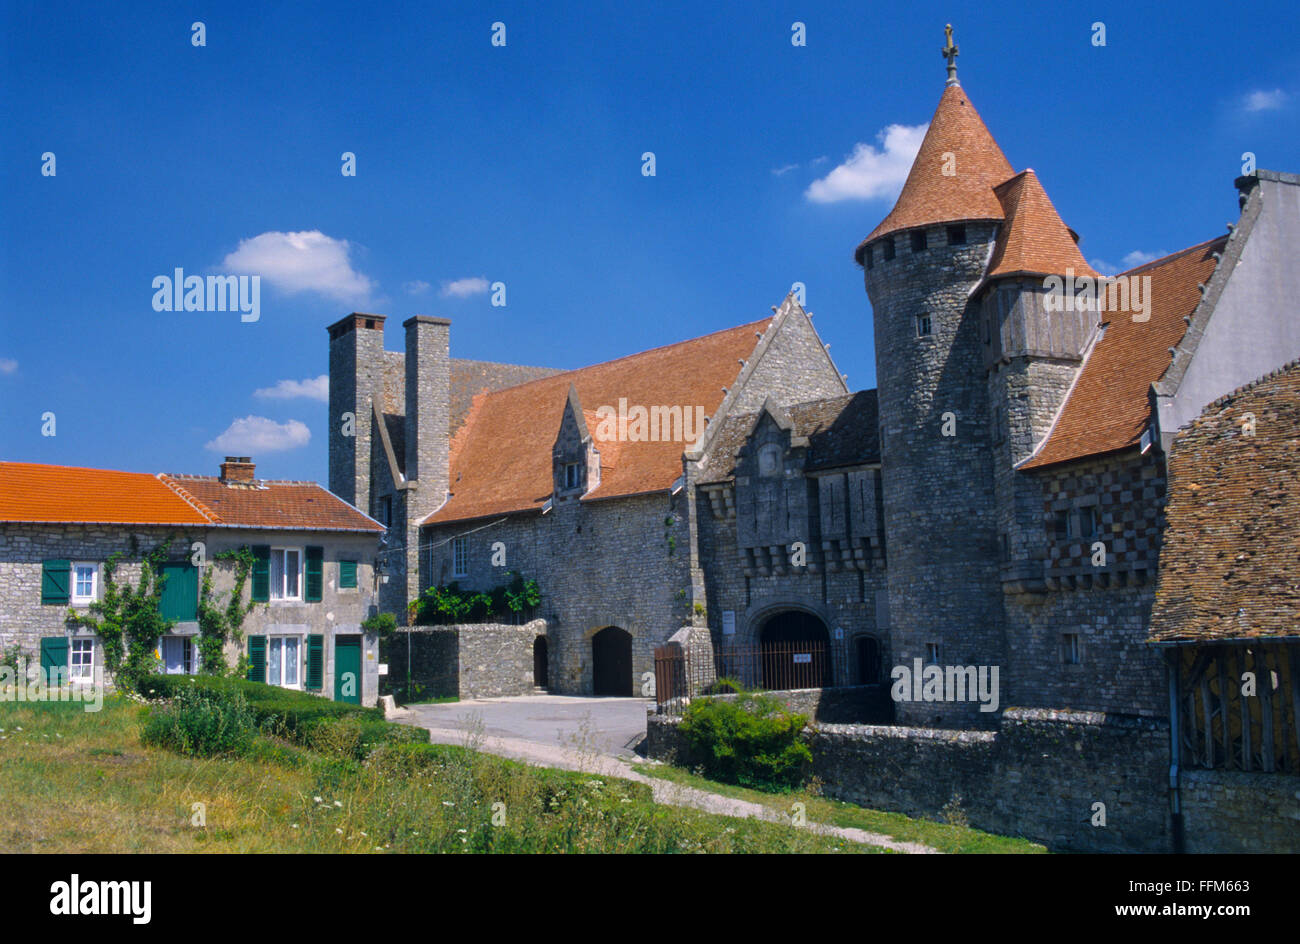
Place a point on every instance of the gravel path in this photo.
(666, 792)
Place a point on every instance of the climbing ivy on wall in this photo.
(221, 623)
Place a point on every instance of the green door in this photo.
(347, 669)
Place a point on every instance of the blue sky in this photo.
(522, 164)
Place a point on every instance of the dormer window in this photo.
(572, 475)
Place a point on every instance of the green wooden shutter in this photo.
(315, 567)
(56, 581)
(257, 658)
(347, 575)
(315, 662)
(261, 573)
(54, 654)
(180, 594)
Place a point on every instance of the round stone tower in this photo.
(922, 265)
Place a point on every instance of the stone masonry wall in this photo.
(472, 660)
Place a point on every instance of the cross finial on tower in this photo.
(950, 53)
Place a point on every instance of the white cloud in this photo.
(464, 288)
(254, 435)
(784, 169)
(301, 262)
(416, 287)
(1131, 261)
(312, 388)
(8, 365)
(871, 173)
(1261, 100)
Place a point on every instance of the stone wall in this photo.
(473, 660)
(1233, 811)
(1038, 775)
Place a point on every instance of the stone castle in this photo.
(996, 501)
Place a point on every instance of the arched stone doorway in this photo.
(795, 648)
(611, 662)
(541, 662)
(867, 656)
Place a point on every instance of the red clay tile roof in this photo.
(1033, 239)
(294, 506)
(929, 196)
(1230, 561)
(1107, 409)
(500, 458)
(33, 492)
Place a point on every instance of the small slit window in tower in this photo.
(1070, 653)
(931, 653)
(957, 235)
(923, 326)
(918, 240)
(887, 246)
(572, 478)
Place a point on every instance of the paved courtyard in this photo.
(609, 726)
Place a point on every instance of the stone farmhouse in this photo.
(313, 569)
(998, 500)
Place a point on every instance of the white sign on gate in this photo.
(728, 622)
(802, 657)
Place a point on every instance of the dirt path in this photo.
(666, 792)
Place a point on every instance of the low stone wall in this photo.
(1041, 775)
(473, 660)
(1232, 811)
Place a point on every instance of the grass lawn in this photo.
(73, 781)
(941, 836)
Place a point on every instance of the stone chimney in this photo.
(428, 392)
(237, 470)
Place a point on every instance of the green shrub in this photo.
(280, 711)
(751, 740)
(382, 624)
(201, 723)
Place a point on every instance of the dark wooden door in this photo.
(611, 653)
(540, 661)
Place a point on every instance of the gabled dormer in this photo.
(575, 462)
(772, 494)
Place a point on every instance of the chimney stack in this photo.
(237, 470)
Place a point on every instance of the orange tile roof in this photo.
(929, 196)
(292, 506)
(1033, 239)
(49, 494)
(1107, 408)
(34, 492)
(500, 459)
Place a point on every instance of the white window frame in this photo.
(572, 475)
(188, 661)
(80, 645)
(460, 557)
(300, 667)
(926, 319)
(277, 592)
(81, 599)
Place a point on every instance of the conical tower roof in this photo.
(1033, 240)
(976, 166)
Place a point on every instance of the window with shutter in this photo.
(315, 569)
(257, 658)
(261, 591)
(56, 581)
(347, 575)
(315, 662)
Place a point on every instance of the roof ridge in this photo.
(190, 499)
(1262, 379)
(1168, 258)
(615, 360)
